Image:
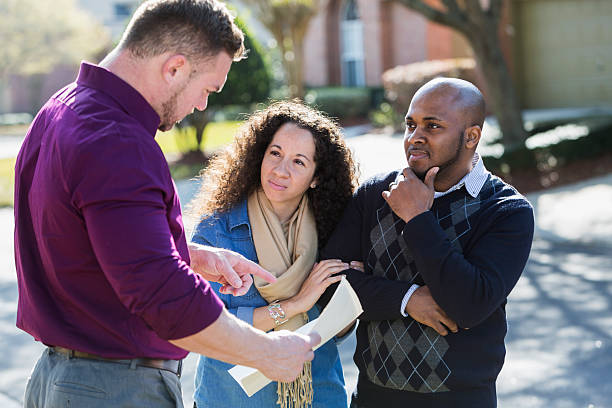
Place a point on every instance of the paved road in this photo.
(560, 314)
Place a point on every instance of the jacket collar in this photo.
(239, 216)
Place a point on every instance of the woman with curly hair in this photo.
(275, 195)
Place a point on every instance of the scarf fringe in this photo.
(298, 393)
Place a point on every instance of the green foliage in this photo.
(385, 115)
(340, 102)
(248, 81)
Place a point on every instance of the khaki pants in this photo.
(61, 381)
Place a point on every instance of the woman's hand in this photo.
(313, 287)
(357, 265)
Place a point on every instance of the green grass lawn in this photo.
(175, 141)
(216, 135)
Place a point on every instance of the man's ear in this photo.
(472, 136)
(175, 69)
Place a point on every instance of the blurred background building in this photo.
(99, 23)
(559, 51)
(113, 14)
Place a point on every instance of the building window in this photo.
(351, 42)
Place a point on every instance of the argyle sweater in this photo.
(470, 252)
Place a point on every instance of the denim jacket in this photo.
(214, 387)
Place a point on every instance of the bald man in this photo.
(443, 242)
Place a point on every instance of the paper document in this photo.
(342, 309)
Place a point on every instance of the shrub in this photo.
(385, 116)
(563, 150)
(403, 81)
(341, 102)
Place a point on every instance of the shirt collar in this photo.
(132, 102)
(473, 181)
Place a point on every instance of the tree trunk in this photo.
(199, 121)
(286, 44)
(291, 72)
(501, 92)
(298, 60)
(480, 24)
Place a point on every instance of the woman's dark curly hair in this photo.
(234, 173)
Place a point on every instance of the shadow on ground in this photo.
(560, 329)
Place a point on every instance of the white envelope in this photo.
(342, 309)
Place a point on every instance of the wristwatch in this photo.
(277, 313)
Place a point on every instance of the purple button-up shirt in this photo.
(100, 249)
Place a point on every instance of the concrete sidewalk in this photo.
(580, 213)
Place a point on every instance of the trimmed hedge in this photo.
(402, 82)
(598, 142)
(341, 102)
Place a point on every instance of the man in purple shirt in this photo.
(106, 278)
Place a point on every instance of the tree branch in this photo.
(434, 14)
(495, 9)
(474, 9)
(453, 8)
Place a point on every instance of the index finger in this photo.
(408, 173)
(226, 271)
(244, 266)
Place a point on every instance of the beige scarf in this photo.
(289, 254)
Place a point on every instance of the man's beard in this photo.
(446, 164)
(168, 109)
(168, 112)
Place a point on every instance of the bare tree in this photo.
(37, 35)
(479, 22)
(287, 21)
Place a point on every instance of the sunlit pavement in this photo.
(560, 314)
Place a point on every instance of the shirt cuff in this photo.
(340, 340)
(407, 298)
(245, 314)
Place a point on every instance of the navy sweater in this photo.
(470, 252)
